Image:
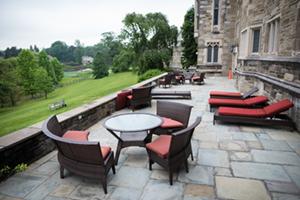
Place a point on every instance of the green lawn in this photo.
(33, 111)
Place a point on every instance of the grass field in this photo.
(32, 111)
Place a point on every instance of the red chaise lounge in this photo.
(257, 101)
(270, 115)
(232, 95)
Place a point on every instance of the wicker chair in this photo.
(140, 96)
(175, 115)
(171, 151)
(198, 78)
(165, 81)
(84, 158)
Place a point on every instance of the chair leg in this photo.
(113, 168)
(171, 177)
(62, 172)
(150, 164)
(104, 184)
(118, 152)
(186, 166)
(192, 156)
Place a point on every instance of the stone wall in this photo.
(276, 80)
(222, 34)
(30, 144)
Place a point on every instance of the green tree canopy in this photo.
(26, 67)
(189, 44)
(100, 69)
(9, 81)
(149, 35)
(42, 82)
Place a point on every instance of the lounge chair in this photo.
(270, 115)
(233, 95)
(172, 151)
(257, 101)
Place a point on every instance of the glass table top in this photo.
(130, 122)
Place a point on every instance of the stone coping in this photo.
(18, 136)
(272, 59)
(289, 86)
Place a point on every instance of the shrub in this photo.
(149, 74)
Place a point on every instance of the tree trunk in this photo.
(12, 99)
(46, 95)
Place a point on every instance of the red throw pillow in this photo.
(170, 123)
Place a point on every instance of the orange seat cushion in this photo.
(170, 123)
(228, 94)
(278, 107)
(195, 77)
(81, 136)
(243, 112)
(256, 100)
(129, 96)
(161, 145)
(105, 150)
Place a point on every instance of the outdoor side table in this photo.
(132, 129)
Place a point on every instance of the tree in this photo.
(59, 50)
(189, 44)
(9, 82)
(27, 65)
(44, 62)
(78, 52)
(123, 61)
(42, 82)
(151, 38)
(100, 69)
(11, 52)
(58, 69)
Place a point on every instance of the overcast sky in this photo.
(41, 22)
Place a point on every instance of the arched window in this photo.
(212, 52)
(209, 53)
(216, 13)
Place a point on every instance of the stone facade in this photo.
(219, 34)
(260, 40)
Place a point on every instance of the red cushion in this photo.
(129, 97)
(256, 100)
(161, 145)
(170, 123)
(105, 150)
(178, 77)
(76, 135)
(226, 102)
(244, 112)
(121, 100)
(228, 94)
(278, 107)
(195, 77)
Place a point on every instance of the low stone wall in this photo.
(30, 144)
(275, 79)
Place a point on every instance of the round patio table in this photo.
(132, 129)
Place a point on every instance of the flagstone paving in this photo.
(230, 162)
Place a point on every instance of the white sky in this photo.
(41, 22)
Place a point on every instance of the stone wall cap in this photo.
(18, 136)
(295, 59)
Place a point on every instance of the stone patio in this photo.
(231, 162)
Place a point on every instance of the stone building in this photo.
(258, 39)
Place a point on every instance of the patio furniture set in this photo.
(177, 77)
(170, 149)
(172, 146)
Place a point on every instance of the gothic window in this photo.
(212, 52)
(255, 40)
(273, 29)
(216, 13)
